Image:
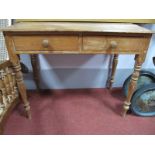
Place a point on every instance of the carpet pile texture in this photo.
(80, 112)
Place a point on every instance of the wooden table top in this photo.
(77, 27)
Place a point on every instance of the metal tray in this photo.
(143, 101)
(145, 78)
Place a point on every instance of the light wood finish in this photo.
(2, 106)
(77, 27)
(46, 43)
(91, 20)
(18, 74)
(4, 91)
(76, 38)
(10, 74)
(124, 44)
(114, 66)
(6, 83)
(139, 59)
(22, 88)
(79, 44)
(34, 62)
(1, 100)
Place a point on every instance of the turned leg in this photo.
(34, 62)
(18, 74)
(133, 82)
(22, 88)
(2, 106)
(114, 66)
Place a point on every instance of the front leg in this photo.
(18, 74)
(139, 59)
(22, 88)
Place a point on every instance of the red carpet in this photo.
(88, 111)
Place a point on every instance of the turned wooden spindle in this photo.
(22, 88)
(114, 66)
(113, 47)
(7, 85)
(18, 74)
(10, 78)
(15, 89)
(2, 106)
(1, 100)
(4, 92)
(133, 82)
(34, 62)
(6, 82)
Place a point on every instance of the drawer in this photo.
(46, 43)
(114, 43)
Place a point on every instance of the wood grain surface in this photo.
(77, 27)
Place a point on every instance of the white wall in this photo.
(83, 71)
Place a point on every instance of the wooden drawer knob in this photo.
(113, 44)
(45, 43)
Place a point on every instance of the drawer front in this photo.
(115, 44)
(46, 43)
